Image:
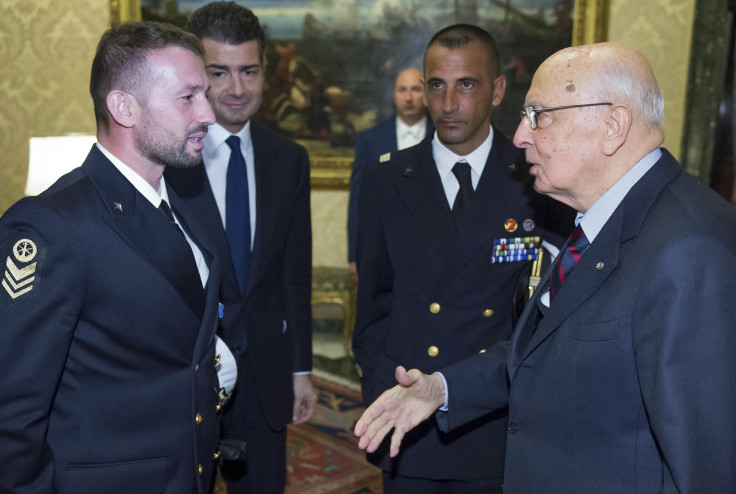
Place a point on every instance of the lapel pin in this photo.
(528, 225)
(511, 225)
(599, 265)
(385, 158)
(118, 206)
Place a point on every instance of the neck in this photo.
(127, 152)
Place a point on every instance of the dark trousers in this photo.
(264, 468)
(397, 484)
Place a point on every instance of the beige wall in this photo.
(46, 47)
(661, 30)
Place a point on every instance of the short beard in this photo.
(159, 150)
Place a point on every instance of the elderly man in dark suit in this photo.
(435, 283)
(407, 128)
(109, 300)
(253, 197)
(621, 374)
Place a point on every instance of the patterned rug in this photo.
(323, 457)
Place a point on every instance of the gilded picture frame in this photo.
(367, 98)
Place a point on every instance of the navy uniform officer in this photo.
(107, 317)
(436, 278)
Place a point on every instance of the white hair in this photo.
(614, 79)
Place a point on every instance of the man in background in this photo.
(407, 128)
(109, 300)
(436, 284)
(253, 196)
(620, 374)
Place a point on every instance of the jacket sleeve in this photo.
(375, 288)
(297, 271)
(684, 342)
(42, 292)
(361, 158)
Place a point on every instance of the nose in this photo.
(523, 136)
(237, 87)
(206, 115)
(449, 100)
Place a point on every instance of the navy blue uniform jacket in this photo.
(110, 382)
(429, 296)
(628, 383)
(369, 145)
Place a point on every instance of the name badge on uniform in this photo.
(515, 249)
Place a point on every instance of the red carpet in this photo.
(323, 457)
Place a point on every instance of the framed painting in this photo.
(331, 64)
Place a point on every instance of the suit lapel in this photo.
(599, 262)
(193, 186)
(420, 189)
(268, 198)
(144, 228)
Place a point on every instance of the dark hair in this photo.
(121, 58)
(229, 23)
(460, 35)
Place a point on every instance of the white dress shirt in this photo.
(216, 155)
(410, 135)
(446, 159)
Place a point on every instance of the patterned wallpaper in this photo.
(46, 48)
(661, 30)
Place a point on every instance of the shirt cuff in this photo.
(443, 408)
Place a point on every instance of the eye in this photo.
(217, 74)
(467, 85)
(188, 97)
(435, 85)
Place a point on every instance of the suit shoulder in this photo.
(274, 140)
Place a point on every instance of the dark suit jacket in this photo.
(110, 357)
(628, 383)
(369, 145)
(411, 258)
(274, 317)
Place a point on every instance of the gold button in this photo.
(483, 351)
(200, 469)
(434, 308)
(488, 313)
(217, 359)
(433, 351)
(198, 419)
(217, 455)
(218, 407)
(196, 368)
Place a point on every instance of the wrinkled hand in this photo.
(403, 407)
(304, 398)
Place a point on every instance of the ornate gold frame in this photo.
(590, 25)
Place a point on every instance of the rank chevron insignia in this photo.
(17, 280)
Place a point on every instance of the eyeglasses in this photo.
(531, 112)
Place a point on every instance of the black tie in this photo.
(237, 212)
(464, 196)
(166, 210)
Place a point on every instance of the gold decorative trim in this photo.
(590, 23)
(330, 172)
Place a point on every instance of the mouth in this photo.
(444, 122)
(196, 139)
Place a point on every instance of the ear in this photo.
(499, 89)
(617, 125)
(123, 107)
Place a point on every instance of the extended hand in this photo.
(304, 398)
(403, 407)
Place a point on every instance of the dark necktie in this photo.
(237, 212)
(577, 244)
(166, 210)
(464, 197)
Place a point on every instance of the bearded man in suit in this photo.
(109, 299)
